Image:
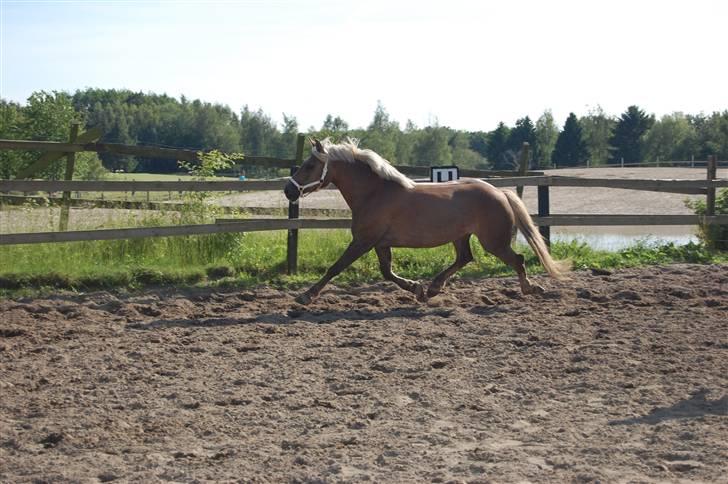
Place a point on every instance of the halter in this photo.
(323, 157)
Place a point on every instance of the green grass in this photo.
(257, 258)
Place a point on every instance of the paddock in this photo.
(609, 377)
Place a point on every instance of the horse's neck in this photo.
(356, 182)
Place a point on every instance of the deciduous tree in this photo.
(597, 128)
(546, 134)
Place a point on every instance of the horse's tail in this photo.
(535, 240)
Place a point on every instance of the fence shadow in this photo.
(694, 407)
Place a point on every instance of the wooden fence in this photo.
(543, 183)
(695, 187)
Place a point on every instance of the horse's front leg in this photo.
(355, 250)
(385, 265)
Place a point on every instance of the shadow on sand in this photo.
(694, 407)
(295, 316)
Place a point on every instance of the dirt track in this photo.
(618, 377)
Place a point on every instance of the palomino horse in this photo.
(390, 210)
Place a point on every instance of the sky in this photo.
(463, 64)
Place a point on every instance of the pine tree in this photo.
(627, 141)
(479, 143)
(524, 132)
(570, 149)
(497, 147)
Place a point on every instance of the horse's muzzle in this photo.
(292, 193)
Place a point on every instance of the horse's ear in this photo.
(311, 140)
(319, 146)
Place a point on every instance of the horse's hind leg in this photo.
(516, 261)
(463, 255)
(385, 265)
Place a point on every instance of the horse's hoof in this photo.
(420, 293)
(304, 299)
(433, 291)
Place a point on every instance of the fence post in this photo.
(293, 212)
(710, 197)
(544, 210)
(522, 166)
(70, 165)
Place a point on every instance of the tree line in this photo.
(151, 119)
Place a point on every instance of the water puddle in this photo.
(617, 237)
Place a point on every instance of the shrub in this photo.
(714, 236)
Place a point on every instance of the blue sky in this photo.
(462, 64)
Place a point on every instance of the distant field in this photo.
(157, 177)
(142, 196)
(46, 219)
(29, 218)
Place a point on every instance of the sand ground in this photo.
(617, 377)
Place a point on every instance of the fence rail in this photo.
(620, 220)
(139, 186)
(174, 230)
(672, 186)
(237, 225)
(647, 164)
(166, 206)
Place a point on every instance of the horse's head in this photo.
(311, 175)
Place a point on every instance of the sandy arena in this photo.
(611, 378)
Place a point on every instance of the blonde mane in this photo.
(348, 150)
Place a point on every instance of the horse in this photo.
(390, 210)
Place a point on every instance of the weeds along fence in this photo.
(544, 219)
